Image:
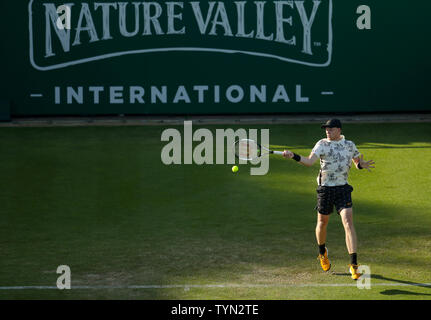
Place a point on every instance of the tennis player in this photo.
(336, 155)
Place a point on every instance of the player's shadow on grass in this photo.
(380, 277)
(403, 292)
(414, 284)
(394, 292)
(340, 274)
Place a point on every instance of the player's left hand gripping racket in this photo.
(247, 149)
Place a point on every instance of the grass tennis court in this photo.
(99, 200)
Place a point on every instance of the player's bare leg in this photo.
(349, 228)
(351, 240)
(322, 223)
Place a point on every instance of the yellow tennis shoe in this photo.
(324, 261)
(353, 268)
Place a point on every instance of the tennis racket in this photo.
(247, 149)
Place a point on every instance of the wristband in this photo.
(359, 166)
(296, 157)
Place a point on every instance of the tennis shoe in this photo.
(353, 268)
(324, 261)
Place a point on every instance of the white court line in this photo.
(188, 286)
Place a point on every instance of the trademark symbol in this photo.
(317, 44)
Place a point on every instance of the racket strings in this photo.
(247, 149)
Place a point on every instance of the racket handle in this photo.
(278, 152)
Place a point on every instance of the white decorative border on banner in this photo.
(177, 49)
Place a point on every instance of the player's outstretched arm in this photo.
(360, 163)
(306, 161)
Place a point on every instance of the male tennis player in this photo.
(335, 154)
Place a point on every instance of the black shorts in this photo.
(338, 196)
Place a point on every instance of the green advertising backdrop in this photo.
(214, 57)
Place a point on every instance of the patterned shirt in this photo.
(335, 161)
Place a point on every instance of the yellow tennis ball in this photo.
(235, 168)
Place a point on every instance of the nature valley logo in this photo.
(291, 31)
